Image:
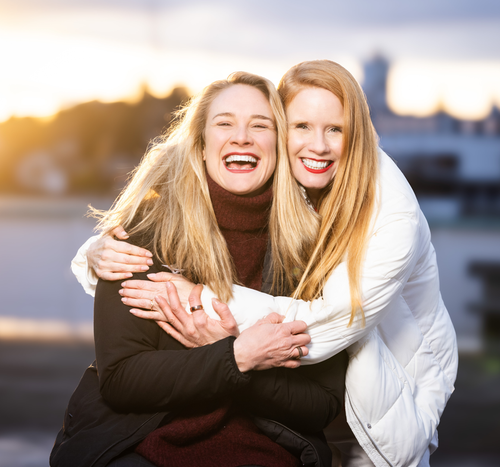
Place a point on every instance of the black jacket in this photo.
(145, 378)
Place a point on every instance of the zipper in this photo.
(366, 432)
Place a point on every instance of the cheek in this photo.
(294, 146)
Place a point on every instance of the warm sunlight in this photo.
(466, 90)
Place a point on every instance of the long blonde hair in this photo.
(347, 206)
(167, 199)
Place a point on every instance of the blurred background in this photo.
(86, 84)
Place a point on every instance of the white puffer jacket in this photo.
(403, 363)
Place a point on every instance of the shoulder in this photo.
(395, 196)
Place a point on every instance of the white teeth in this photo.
(315, 164)
(241, 158)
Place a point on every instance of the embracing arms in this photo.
(142, 369)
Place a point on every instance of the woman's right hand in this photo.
(270, 343)
(114, 260)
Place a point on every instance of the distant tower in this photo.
(375, 84)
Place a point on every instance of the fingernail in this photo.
(121, 291)
(150, 262)
(144, 268)
(149, 254)
(124, 284)
(125, 235)
(124, 299)
(153, 274)
(168, 285)
(215, 301)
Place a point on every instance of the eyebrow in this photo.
(229, 114)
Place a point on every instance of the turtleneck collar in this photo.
(234, 212)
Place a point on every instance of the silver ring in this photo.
(301, 354)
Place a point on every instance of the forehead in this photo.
(311, 103)
(241, 100)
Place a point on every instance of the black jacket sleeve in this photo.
(306, 399)
(142, 369)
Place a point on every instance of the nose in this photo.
(241, 136)
(318, 143)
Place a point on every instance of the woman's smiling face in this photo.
(240, 140)
(315, 123)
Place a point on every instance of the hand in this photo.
(114, 260)
(139, 293)
(196, 329)
(270, 343)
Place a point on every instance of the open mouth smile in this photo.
(241, 162)
(316, 166)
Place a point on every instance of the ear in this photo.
(203, 153)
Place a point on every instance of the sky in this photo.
(445, 54)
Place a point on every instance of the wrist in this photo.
(240, 356)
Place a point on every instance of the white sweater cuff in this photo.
(80, 267)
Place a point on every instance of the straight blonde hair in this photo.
(347, 205)
(167, 200)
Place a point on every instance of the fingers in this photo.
(175, 305)
(162, 276)
(133, 288)
(299, 352)
(105, 266)
(222, 310)
(119, 232)
(226, 317)
(274, 318)
(195, 295)
(166, 309)
(122, 252)
(295, 327)
(171, 331)
(114, 276)
(144, 304)
(156, 315)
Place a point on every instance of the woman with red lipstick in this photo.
(371, 282)
(200, 200)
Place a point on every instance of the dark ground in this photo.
(37, 379)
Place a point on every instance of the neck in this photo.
(243, 221)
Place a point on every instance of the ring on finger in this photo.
(196, 308)
(152, 304)
(301, 354)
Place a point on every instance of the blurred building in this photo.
(454, 167)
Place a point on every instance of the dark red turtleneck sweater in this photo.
(225, 437)
(244, 224)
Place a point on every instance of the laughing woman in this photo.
(370, 285)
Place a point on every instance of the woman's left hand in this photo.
(196, 329)
(142, 294)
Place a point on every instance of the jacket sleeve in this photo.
(306, 399)
(134, 376)
(391, 255)
(80, 268)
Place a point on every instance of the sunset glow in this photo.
(53, 58)
(464, 90)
